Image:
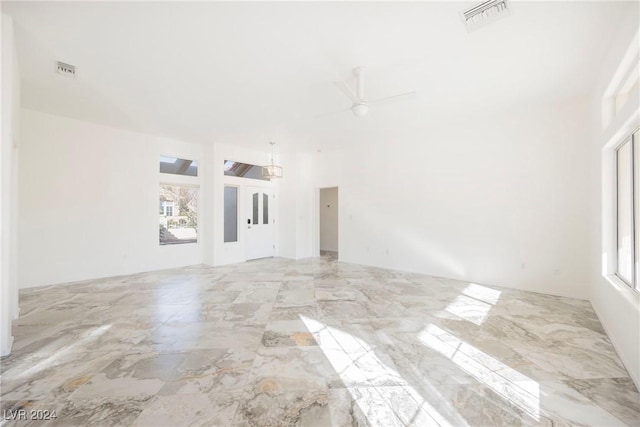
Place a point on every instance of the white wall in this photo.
(499, 200)
(329, 219)
(307, 211)
(617, 306)
(10, 94)
(298, 208)
(286, 192)
(89, 197)
(88, 201)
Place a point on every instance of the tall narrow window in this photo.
(230, 214)
(628, 210)
(636, 206)
(255, 208)
(265, 208)
(624, 168)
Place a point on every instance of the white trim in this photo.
(181, 184)
(610, 335)
(620, 77)
(7, 351)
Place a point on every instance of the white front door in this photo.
(259, 222)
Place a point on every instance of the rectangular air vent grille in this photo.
(485, 13)
(66, 69)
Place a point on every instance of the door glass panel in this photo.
(625, 212)
(255, 208)
(230, 214)
(265, 208)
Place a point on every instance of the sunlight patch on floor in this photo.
(474, 303)
(358, 366)
(510, 384)
(49, 361)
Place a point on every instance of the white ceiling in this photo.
(249, 72)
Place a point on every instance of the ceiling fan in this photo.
(360, 105)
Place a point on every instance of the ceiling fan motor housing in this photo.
(360, 109)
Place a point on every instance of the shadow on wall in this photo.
(420, 248)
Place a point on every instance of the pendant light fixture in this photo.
(272, 171)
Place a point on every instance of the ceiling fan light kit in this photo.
(360, 109)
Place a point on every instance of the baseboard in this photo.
(7, 351)
(621, 355)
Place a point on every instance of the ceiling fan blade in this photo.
(331, 113)
(393, 97)
(342, 86)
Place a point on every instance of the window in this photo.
(243, 170)
(265, 209)
(178, 166)
(230, 214)
(627, 158)
(166, 208)
(178, 214)
(255, 208)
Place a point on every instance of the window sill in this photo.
(621, 286)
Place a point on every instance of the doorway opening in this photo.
(329, 241)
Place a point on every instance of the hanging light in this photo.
(272, 171)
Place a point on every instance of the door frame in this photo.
(316, 219)
(247, 206)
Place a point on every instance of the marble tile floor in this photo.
(316, 342)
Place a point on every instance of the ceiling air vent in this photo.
(66, 69)
(485, 13)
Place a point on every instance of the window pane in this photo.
(265, 208)
(255, 208)
(230, 214)
(178, 214)
(243, 170)
(178, 166)
(636, 201)
(624, 214)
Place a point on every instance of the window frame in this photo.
(632, 140)
(195, 187)
(181, 180)
(184, 173)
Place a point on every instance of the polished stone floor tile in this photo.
(264, 406)
(314, 342)
(189, 410)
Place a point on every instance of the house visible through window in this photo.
(178, 214)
